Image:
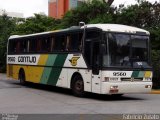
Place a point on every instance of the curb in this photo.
(155, 92)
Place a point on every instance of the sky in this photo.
(29, 7)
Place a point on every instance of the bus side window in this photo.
(90, 37)
(68, 42)
(73, 42)
(18, 47)
(45, 45)
(59, 43)
(23, 46)
(93, 35)
(27, 46)
(39, 45)
(32, 45)
(52, 43)
(12, 46)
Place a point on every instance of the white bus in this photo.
(97, 58)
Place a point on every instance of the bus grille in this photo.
(131, 79)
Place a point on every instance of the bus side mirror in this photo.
(103, 48)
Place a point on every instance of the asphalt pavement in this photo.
(42, 99)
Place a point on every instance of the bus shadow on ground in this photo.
(68, 92)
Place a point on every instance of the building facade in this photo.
(57, 8)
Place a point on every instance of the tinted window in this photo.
(23, 46)
(90, 37)
(92, 34)
(59, 43)
(32, 45)
(73, 42)
(140, 47)
(12, 46)
(46, 45)
(39, 45)
(119, 48)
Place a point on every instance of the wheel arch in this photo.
(22, 76)
(20, 71)
(72, 78)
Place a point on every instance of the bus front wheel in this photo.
(22, 78)
(78, 86)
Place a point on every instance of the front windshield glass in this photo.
(125, 50)
(139, 47)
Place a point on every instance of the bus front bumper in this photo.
(125, 87)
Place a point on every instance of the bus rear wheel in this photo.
(78, 86)
(22, 78)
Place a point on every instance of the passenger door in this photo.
(96, 75)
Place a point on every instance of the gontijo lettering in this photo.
(27, 59)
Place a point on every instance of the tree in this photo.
(89, 12)
(11, 26)
(7, 25)
(36, 24)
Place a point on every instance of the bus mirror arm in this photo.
(82, 24)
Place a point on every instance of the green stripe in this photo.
(135, 74)
(47, 70)
(141, 74)
(55, 72)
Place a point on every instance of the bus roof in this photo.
(118, 28)
(104, 27)
(19, 36)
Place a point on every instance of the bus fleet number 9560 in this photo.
(119, 73)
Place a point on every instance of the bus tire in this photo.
(22, 77)
(77, 86)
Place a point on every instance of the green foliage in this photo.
(156, 68)
(12, 26)
(89, 12)
(7, 25)
(36, 24)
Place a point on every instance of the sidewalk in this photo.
(155, 91)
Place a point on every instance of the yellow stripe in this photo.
(38, 71)
(42, 59)
(32, 73)
(147, 74)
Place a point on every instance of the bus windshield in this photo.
(125, 50)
